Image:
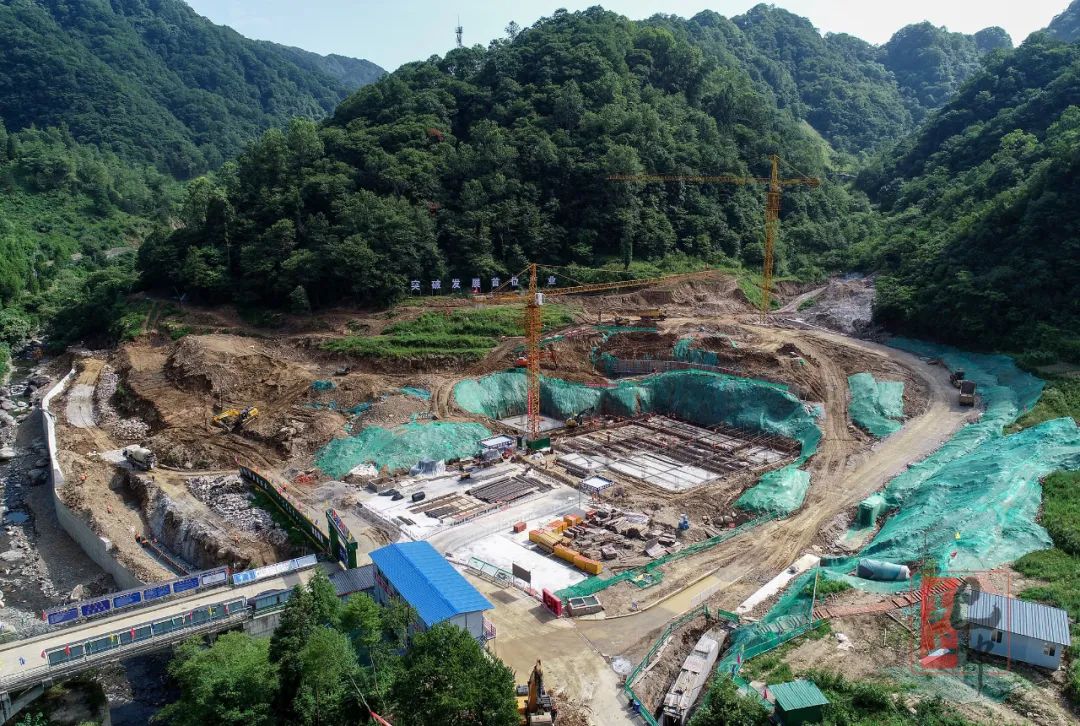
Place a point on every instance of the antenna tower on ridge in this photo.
(459, 31)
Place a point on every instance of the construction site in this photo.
(635, 487)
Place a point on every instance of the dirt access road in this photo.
(735, 568)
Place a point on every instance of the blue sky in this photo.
(392, 33)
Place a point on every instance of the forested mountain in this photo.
(855, 94)
(70, 217)
(472, 164)
(1066, 26)
(154, 82)
(981, 241)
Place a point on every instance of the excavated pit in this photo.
(186, 531)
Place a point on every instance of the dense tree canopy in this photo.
(472, 164)
(980, 244)
(330, 662)
(155, 82)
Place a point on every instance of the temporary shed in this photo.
(798, 702)
(1029, 632)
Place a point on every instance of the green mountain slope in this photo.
(70, 219)
(1066, 26)
(981, 242)
(472, 164)
(855, 94)
(154, 82)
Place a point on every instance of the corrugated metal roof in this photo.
(428, 582)
(358, 579)
(797, 694)
(1020, 617)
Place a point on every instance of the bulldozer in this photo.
(232, 419)
(534, 703)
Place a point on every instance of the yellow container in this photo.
(588, 565)
(565, 553)
(545, 539)
(557, 526)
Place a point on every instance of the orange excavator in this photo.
(548, 354)
(534, 703)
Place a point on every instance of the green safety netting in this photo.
(401, 446)
(421, 393)
(981, 484)
(876, 406)
(701, 397)
(322, 385)
(685, 351)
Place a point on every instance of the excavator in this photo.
(534, 703)
(547, 354)
(232, 419)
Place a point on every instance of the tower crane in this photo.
(772, 206)
(533, 325)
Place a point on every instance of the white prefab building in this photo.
(1029, 632)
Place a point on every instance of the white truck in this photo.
(140, 457)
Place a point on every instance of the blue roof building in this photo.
(416, 573)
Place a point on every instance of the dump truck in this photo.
(140, 457)
(233, 418)
(534, 703)
(967, 393)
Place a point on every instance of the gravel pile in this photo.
(228, 496)
(125, 429)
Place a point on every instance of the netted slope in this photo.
(981, 484)
(876, 406)
(400, 447)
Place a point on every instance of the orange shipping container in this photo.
(588, 565)
(557, 526)
(519, 527)
(572, 519)
(565, 553)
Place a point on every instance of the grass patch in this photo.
(1059, 399)
(466, 334)
(1059, 567)
(772, 667)
(877, 703)
(807, 303)
(825, 587)
(5, 360)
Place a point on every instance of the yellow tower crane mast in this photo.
(534, 325)
(775, 184)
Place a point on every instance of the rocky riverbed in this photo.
(40, 565)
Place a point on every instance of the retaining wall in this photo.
(78, 529)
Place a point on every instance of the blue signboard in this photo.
(241, 577)
(153, 593)
(127, 598)
(183, 585)
(62, 616)
(94, 608)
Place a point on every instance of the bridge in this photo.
(30, 665)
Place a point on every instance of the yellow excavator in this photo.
(232, 419)
(534, 703)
